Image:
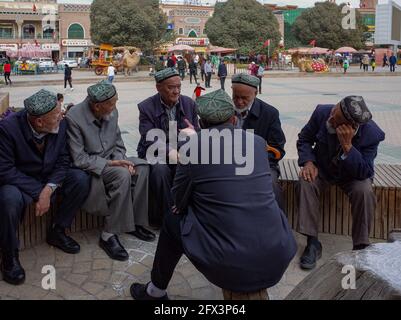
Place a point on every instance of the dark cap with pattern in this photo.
(165, 74)
(247, 79)
(355, 110)
(215, 107)
(101, 91)
(40, 103)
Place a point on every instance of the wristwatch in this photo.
(52, 186)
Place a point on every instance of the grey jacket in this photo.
(91, 147)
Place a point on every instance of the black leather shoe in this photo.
(11, 268)
(138, 292)
(114, 249)
(360, 247)
(143, 234)
(56, 237)
(312, 253)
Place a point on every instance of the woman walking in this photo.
(67, 77)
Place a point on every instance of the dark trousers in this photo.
(169, 251)
(392, 67)
(182, 73)
(13, 201)
(7, 77)
(278, 191)
(192, 74)
(69, 82)
(222, 82)
(161, 200)
(363, 206)
(260, 84)
(208, 79)
(203, 75)
(365, 67)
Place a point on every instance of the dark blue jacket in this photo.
(317, 145)
(265, 120)
(22, 165)
(152, 115)
(233, 230)
(393, 60)
(222, 72)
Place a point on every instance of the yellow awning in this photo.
(200, 49)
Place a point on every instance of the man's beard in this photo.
(238, 110)
(106, 117)
(54, 131)
(330, 128)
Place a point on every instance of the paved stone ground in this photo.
(91, 275)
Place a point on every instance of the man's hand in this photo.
(175, 210)
(345, 133)
(309, 172)
(43, 204)
(123, 163)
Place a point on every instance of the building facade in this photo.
(367, 8)
(30, 22)
(75, 37)
(188, 21)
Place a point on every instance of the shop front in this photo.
(74, 49)
(55, 49)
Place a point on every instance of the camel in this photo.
(130, 61)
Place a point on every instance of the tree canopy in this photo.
(323, 23)
(244, 25)
(138, 23)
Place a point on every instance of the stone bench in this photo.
(335, 208)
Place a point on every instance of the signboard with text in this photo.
(193, 41)
(76, 43)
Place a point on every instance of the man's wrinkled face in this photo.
(243, 95)
(170, 90)
(337, 118)
(104, 109)
(50, 122)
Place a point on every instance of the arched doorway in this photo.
(192, 34)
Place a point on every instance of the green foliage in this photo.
(323, 23)
(244, 25)
(138, 23)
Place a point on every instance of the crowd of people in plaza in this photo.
(231, 226)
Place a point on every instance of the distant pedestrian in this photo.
(67, 77)
(111, 72)
(202, 67)
(373, 64)
(208, 72)
(198, 91)
(193, 71)
(260, 74)
(345, 65)
(385, 60)
(222, 73)
(365, 62)
(170, 62)
(393, 62)
(182, 67)
(7, 72)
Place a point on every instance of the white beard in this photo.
(330, 129)
(238, 110)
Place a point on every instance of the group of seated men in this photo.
(231, 227)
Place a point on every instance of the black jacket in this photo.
(67, 72)
(265, 120)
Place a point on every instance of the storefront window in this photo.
(75, 31)
(28, 31)
(6, 32)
